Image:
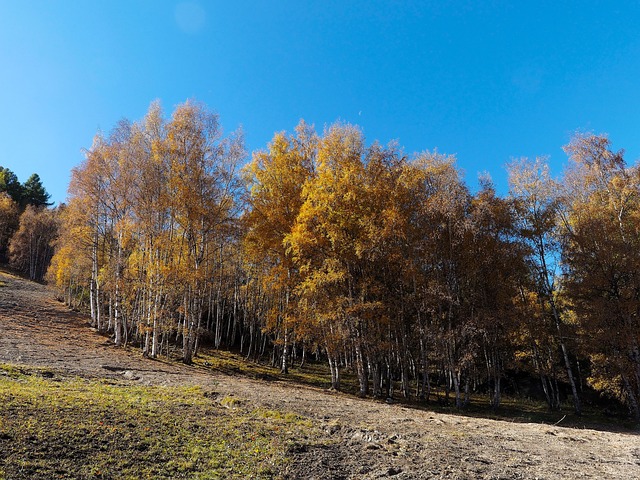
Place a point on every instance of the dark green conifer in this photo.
(34, 193)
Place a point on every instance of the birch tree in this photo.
(600, 253)
(538, 204)
(203, 187)
(275, 179)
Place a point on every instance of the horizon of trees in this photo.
(27, 228)
(374, 261)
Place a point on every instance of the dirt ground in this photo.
(361, 438)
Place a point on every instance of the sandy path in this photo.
(361, 439)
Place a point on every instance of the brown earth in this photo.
(361, 438)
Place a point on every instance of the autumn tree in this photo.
(85, 228)
(9, 220)
(203, 186)
(493, 273)
(327, 243)
(538, 203)
(155, 227)
(151, 207)
(602, 261)
(275, 179)
(70, 266)
(343, 242)
(31, 247)
(438, 226)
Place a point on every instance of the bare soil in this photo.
(361, 438)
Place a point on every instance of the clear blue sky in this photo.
(486, 81)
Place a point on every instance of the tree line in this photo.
(27, 228)
(375, 261)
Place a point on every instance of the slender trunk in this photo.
(455, 380)
(92, 285)
(576, 397)
(234, 314)
(117, 306)
(285, 347)
(363, 377)
(284, 364)
(406, 386)
(548, 286)
(99, 324)
(155, 334)
(388, 384)
(495, 400)
(304, 355)
(465, 403)
(217, 339)
(147, 331)
(376, 375)
(556, 390)
(335, 372)
(546, 384)
(251, 336)
(186, 330)
(425, 386)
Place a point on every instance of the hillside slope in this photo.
(360, 438)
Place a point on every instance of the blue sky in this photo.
(486, 81)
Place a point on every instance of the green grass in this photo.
(56, 427)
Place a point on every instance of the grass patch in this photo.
(55, 427)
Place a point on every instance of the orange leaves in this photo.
(601, 253)
(153, 206)
(275, 180)
(31, 247)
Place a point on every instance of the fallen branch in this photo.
(559, 421)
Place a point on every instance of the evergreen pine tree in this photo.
(34, 193)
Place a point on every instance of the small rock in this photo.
(332, 429)
(129, 375)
